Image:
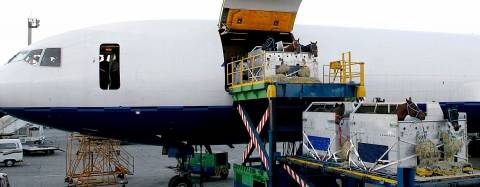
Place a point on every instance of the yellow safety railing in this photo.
(346, 71)
(247, 70)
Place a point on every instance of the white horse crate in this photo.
(322, 137)
(384, 143)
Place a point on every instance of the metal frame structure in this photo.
(344, 69)
(95, 161)
(347, 71)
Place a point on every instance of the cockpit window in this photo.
(52, 57)
(34, 56)
(19, 56)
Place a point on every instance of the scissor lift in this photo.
(282, 102)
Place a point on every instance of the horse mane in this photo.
(339, 110)
(294, 46)
(402, 111)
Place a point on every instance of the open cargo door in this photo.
(259, 15)
(247, 24)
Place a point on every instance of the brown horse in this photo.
(411, 109)
(294, 47)
(339, 110)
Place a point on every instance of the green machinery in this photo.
(250, 176)
(214, 164)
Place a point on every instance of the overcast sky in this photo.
(57, 16)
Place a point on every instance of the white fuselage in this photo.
(179, 64)
(161, 64)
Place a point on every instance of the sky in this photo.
(58, 16)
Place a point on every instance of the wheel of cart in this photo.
(180, 181)
(9, 163)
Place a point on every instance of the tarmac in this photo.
(150, 166)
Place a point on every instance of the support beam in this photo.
(272, 142)
(250, 147)
(406, 177)
(295, 176)
(257, 141)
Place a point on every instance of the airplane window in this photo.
(8, 146)
(52, 57)
(33, 57)
(109, 66)
(19, 56)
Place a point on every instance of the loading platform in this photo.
(251, 87)
(259, 81)
(260, 90)
(311, 167)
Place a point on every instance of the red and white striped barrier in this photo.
(260, 126)
(295, 176)
(252, 137)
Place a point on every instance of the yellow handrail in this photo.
(346, 70)
(253, 66)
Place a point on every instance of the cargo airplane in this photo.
(166, 83)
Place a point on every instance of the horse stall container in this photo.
(325, 128)
(268, 65)
(382, 143)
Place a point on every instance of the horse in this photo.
(339, 110)
(452, 116)
(411, 109)
(311, 48)
(294, 47)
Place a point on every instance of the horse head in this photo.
(314, 48)
(411, 109)
(297, 48)
(339, 110)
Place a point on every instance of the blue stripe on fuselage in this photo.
(197, 124)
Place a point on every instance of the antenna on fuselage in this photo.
(33, 23)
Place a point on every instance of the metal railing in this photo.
(255, 68)
(345, 71)
(247, 70)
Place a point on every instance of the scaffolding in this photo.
(95, 161)
(345, 71)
